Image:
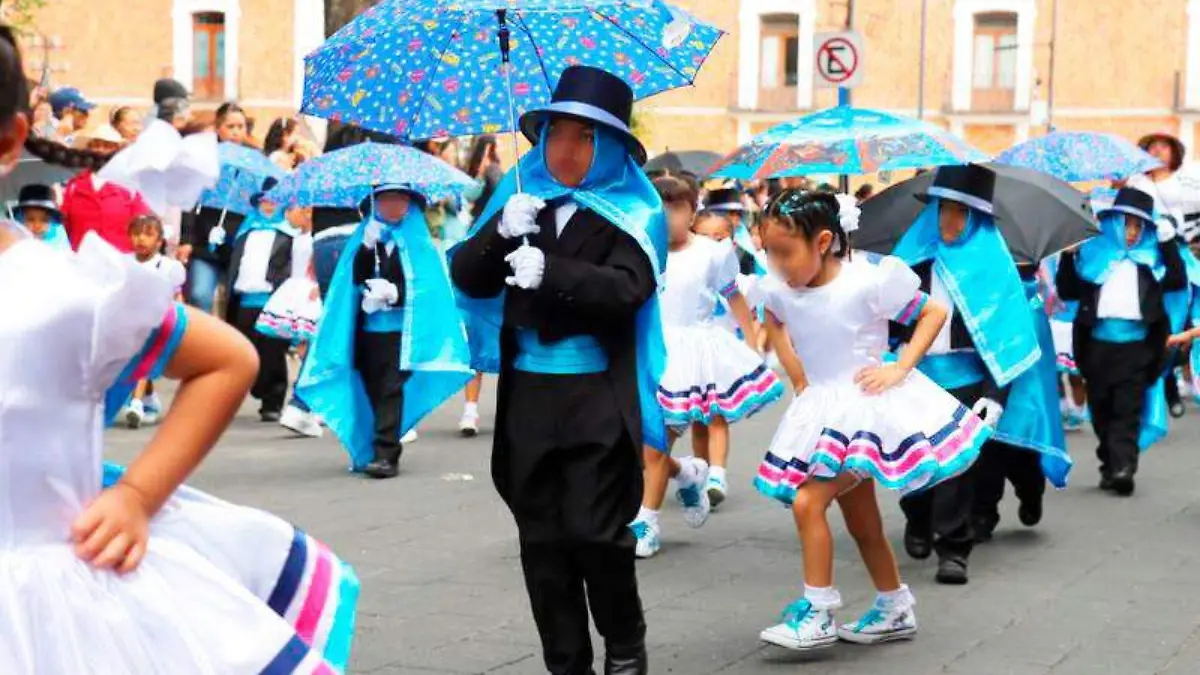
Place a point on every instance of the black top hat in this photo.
(168, 88)
(268, 184)
(724, 199)
(592, 95)
(1133, 201)
(36, 196)
(972, 185)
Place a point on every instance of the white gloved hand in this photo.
(989, 410)
(520, 216)
(372, 304)
(216, 236)
(383, 290)
(528, 265)
(371, 233)
(1166, 229)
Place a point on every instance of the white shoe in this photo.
(410, 437)
(694, 496)
(300, 422)
(468, 424)
(880, 625)
(154, 408)
(804, 628)
(648, 542)
(135, 414)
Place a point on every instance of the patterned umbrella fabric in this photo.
(1076, 156)
(243, 171)
(845, 141)
(430, 68)
(345, 177)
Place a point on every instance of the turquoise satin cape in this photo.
(616, 189)
(433, 347)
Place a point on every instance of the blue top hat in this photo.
(971, 184)
(1134, 202)
(592, 95)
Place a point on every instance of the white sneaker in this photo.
(804, 628)
(154, 408)
(135, 414)
(300, 422)
(693, 496)
(410, 437)
(648, 542)
(468, 424)
(880, 625)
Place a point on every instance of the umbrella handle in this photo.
(504, 35)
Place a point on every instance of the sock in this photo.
(717, 472)
(826, 598)
(691, 470)
(647, 516)
(897, 600)
(471, 409)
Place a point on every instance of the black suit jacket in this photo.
(1150, 298)
(279, 267)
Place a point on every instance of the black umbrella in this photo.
(1039, 215)
(696, 162)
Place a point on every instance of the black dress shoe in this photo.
(1106, 480)
(952, 571)
(1122, 482)
(1177, 410)
(1030, 511)
(382, 468)
(269, 415)
(918, 547)
(626, 660)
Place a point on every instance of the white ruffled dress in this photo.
(908, 438)
(78, 324)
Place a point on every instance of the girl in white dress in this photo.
(855, 420)
(711, 380)
(89, 581)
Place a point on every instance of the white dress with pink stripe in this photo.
(69, 333)
(709, 373)
(911, 437)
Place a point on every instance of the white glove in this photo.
(371, 234)
(1166, 229)
(383, 290)
(372, 304)
(528, 264)
(520, 216)
(216, 236)
(989, 410)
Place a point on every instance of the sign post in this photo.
(839, 60)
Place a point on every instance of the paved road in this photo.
(1103, 586)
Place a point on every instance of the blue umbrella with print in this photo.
(345, 177)
(845, 141)
(243, 171)
(1076, 156)
(430, 68)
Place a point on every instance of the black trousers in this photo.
(1001, 461)
(270, 387)
(573, 481)
(1116, 383)
(377, 358)
(1171, 384)
(943, 512)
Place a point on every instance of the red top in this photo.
(107, 211)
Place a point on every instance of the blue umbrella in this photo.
(1081, 156)
(429, 68)
(345, 177)
(243, 171)
(845, 140)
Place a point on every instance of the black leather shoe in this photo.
(626, 660)
(917, 546)
(1177, 410)
(1122, 482)
(269, 415)
(952, 571)
(1106, 480)
(382, 468)
(1030, 511)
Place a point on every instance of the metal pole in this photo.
(1050, 83)
(921, 63)
(506, 63)
(844, 95)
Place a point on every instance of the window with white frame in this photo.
(994, 62)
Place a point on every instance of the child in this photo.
(855, 421)
(1122, 327)
(146, 236)
(711, 379)
(38, 212)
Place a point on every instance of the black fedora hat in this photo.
(592, 95)
(724, 200)
(1134, 202)
(972, 185)
(36, 196)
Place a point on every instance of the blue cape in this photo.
(617, 190)
(980, 276)
(1031, 418)
(258, 221)
(433, 348)
(1098, 256)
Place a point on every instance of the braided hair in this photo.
(807, 214)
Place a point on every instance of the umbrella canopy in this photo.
(345, 177)
(31, 169)
(1081, 156)
(1038, 214)
(429, 68)
(695, 162)
(845, 140)
(243, 171)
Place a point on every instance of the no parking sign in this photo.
(839, 59)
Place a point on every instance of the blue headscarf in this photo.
(433, 347)
(257, 220)
(56, 234)
(980, 276)
(616, 189)
(1098, 256)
